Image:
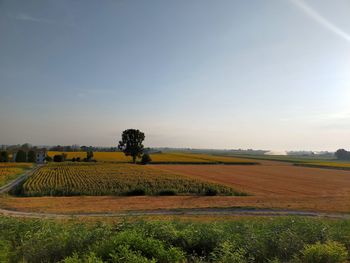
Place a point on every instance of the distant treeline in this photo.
(77, 148)
(342, 154)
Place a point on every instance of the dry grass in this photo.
(10, 171)
(64, 179)
(109, 204)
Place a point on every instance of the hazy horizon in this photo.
(225, 74)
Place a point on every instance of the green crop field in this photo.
(114, 179)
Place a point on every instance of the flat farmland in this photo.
(160, 158)
(67, 179)
(272, 179)
(275, 185)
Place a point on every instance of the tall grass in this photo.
(253, 240)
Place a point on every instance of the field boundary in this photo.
(205, 163)
(231, 211)
(309, 165)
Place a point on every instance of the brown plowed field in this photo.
(272, 185)
(272, 179)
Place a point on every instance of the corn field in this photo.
(67, 179)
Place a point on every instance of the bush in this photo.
(329, 252)
(4, 156)
(228, 253)
(135, 192)
(59, 158)
(146, 158)
(133, 246)
(211, 192)
(167, 192)
(21, 156)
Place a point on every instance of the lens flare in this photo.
(317, 17)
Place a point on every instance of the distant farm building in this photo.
(40, 156)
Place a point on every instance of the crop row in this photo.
(114, 179)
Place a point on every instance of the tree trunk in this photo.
(134, 159)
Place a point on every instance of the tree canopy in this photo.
(131, 143)
(21, 156)
(4, 156)
(342, 154)
(31, 157)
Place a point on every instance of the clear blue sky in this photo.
(268, 74)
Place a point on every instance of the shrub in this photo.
(135, 192)
(21, 156)
(132, 246)
(329, 252)
(58, 158)
(228, 253)
(146, 158)
(211, 191)
(4, 156)
(167, 192)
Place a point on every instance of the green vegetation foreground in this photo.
(245, 240)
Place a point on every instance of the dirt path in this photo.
(6, 188)
(187, 212)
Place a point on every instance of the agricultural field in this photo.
(308, 161)
(277, 185)
(327, 164)
(65, 179)
(272, 179)
(166, 158)
(10, 171)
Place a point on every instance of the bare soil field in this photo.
(272, 184)
(273, 179)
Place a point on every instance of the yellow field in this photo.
(338, 165)
(63, 179)
(99, 156)
(9, 171)
(159, 157)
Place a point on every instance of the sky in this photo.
(261, 74)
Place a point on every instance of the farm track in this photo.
(183, 212)
(6, 188)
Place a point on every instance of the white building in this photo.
(40, 156)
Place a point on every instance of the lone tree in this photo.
(89, 156)
(342, 154)
(131, 143)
